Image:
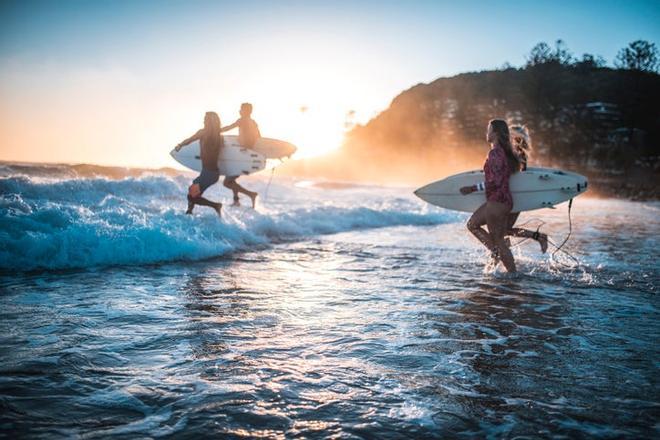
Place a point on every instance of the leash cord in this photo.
(272, 173)
(558, 248)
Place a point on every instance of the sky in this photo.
(122, 82)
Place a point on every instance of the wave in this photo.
(72, 171)
(80, 223)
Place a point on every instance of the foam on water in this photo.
(388, 327)
(62, 223)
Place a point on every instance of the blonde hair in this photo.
(521, 143)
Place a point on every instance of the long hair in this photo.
(501, 130)
(212, 136)
(522, 144)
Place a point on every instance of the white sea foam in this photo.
(77, 223)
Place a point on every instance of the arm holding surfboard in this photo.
(230, 127)
(191, 139)
(481, 186)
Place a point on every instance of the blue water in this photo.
(332, 311)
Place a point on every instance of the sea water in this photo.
(332, 310)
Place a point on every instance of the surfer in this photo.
(248, 135)
(211, 142)
(500, 164)
(522, 147)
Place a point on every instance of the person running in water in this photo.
(211, 142)
(522, 147)
(248, 134)
(500, 164)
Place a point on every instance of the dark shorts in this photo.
(206, 179)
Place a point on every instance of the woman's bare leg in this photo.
(195, 198)
(526, 233)
(193, 192)
(512, 218)
(534, 235)
(497, 221)
(475, 224)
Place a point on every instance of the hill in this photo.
(597, 120)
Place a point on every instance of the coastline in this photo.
(641, 185)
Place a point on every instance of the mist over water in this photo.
(332, 311)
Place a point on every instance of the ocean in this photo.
(332, 311)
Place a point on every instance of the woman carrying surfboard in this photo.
(211, 142)
(500, 164)
(522, 147)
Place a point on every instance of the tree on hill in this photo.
(639, 55)
(543, 54)
(590, 61)
(582, 114)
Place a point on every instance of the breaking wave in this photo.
(53, 222)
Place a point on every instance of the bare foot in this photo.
(253, 197)
(236, 203)
(218, 209)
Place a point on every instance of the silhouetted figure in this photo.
(248, 134)
(211, 142)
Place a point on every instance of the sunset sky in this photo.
(121, 82)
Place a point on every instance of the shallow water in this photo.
(354, 313)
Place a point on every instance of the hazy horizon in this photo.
(119, 84)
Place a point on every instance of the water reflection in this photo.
(374, 334)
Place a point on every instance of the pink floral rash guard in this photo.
(497, 172)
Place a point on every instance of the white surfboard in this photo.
(534, 188)
(270, 148)
(232, 160)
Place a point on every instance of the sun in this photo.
(318, 132)
(314, 130)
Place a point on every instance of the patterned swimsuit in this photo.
(497, 172)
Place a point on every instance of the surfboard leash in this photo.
(272, 173)
(559, 248)
(522, 225)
